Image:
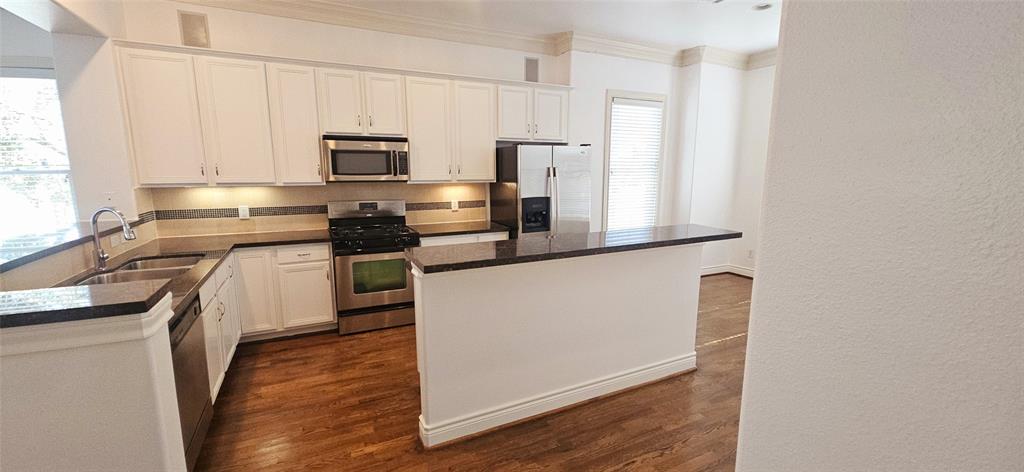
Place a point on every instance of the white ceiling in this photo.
(678, 24)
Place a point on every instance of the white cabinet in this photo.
(220, 322)
(385, 104)
(353, 102)
(533, 114)
(163, 111)
(550, 115)
(280, 289)
(294, 124)
(451, 130)
(214, 354)
(236, 122)
(462, 239)
(429, 130)
(256, 290)
(306, 293)
(515, 112)
(474, 113)
(341, 101)
(230, 329)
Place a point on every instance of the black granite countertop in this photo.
(452, 229)
(540, 247)
(72, 303)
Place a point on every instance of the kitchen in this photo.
(268, 197)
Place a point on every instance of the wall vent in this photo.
(531, 70)
(195, 31)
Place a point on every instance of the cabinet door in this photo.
(255, 291)
(341, 101)
(293, 120)
(306, 289)
(515, 112)
(230, 331)
(430, 155)
(163, 117)
(551, 115)
(385, 104)
(236, 121)
(474, 115)
(214, 353)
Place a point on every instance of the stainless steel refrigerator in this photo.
(542, 188)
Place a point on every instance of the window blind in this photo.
(634, 162)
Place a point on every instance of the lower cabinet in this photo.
(284, 289)
(214, 351)
(220, 323)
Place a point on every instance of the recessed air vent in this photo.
(195, 31)
(531, 72)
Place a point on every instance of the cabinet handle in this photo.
(202, 169)
(460, 169)
(216, 169)
(528, 127)
(319, 170)
(359, 120)
(303, 254)
(449, 169)
(327, 275)
(535, 128)
(371, 121)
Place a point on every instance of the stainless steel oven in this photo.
(365, 159)
(374, 291)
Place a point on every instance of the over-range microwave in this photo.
(365, 159)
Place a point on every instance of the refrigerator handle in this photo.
(555, 204)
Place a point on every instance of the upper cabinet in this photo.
(474, 115)
(538, 114)
(353, 102)
(293, 121)
(451, 130)
(236, 121)
(163, 109)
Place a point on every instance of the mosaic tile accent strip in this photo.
(144, 217)
(201, 213)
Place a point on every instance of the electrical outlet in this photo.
(455, 205)
(243, 212)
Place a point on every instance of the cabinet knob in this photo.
(359, 120)
(371, 121)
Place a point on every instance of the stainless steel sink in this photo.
(161, 262)
(134, 275)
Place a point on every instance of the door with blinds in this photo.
(634, 162)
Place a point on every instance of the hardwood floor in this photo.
(351, 403)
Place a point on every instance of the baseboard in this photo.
(511, 413)
(287, 333)
(727, 269)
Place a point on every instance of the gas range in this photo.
(360, 227)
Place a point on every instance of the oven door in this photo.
(371, 280)
(361, 161)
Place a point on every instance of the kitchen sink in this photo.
(134, 275)
(161, 262)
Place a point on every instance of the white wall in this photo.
(23, 44)
(157, 21)
(887, 324)
(752, 152)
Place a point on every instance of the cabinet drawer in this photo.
(225, 271)
(304, 253)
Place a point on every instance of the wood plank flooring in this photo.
(351, 403)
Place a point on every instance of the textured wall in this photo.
(887, 326)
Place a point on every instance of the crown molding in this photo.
(322, 11)
(761, 59)
(365, 18)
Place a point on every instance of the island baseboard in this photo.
(461, 429)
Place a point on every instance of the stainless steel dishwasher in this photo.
(191, 380)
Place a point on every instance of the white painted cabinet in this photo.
(293, 121)
(163, 112)
(256, 290)
(306, 293)
(474, 113)
(220, 322)
(536, 114)
(550, 115)
(353, 102)
(385, 104)
(429, 130)
(236, 122)
(214, 353)
(341, 101)
(230, 329)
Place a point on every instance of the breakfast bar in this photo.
(507, 330)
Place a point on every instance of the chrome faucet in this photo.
(101, 255)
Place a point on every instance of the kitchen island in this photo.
(507, 330)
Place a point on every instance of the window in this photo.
(35, 181)
(634, 160)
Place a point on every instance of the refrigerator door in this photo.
(572, 189)
(534, 162)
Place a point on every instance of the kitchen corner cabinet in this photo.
(162, 107)
(236, 121)
(293, 120)
(221, 327)
(283, 288)
(536, 114)
(361, 103)
(451, 130)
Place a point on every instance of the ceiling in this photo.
(677, 24)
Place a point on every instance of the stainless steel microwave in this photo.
(365, 159)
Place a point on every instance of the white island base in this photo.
(496, 345)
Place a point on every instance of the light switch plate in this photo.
(243, 212)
